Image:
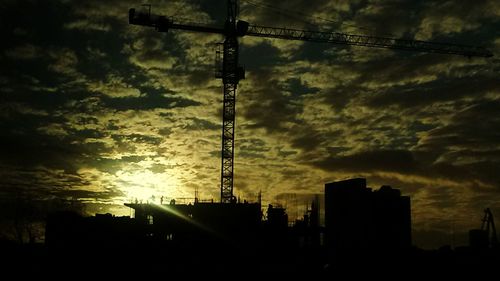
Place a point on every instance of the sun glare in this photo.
(146, 186)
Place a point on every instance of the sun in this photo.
(146, 186)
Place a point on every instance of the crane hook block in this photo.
(160, 23)
(137, 18)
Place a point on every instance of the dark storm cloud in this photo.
(99, 16)
(340, 96)
(200, 124)
(102, 54)
(252, 148)
(284, 154)
(443, 90)
(383, 160)
(459, 19)
(306, 138)
(32, 93)
(269, 107)
(406, 163)
(280, 14)
(399, 67)
(386, 18)
(248, 154)
(471, 128)
(37, 182)
(462, 141)
(296, 88)
(138, 138)
(215, 9)
(18, 148)
(319, 52)
(49, 151)
(34, 21)
(42, 24)
(108, 165)
(146, 102)
(267, 55)
(253, 144)
(90, 195)
(469, 140)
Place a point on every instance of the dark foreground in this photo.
(155, 260)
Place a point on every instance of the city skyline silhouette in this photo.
(364, 228)
(97, 113)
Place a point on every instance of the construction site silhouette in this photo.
(364, 228)
(365, 231)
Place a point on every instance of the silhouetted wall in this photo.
(359, 220)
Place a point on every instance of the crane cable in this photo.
(293, 14)
(278, 11)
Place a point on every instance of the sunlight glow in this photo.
(180, 215)
(147, 186)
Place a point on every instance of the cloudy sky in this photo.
(98, 111)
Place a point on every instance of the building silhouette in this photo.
(364, 228)
(362, 222)
(200, 225)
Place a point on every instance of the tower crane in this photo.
(231, 72)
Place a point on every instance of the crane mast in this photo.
(231, 72)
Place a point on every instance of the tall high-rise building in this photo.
(359, 220)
